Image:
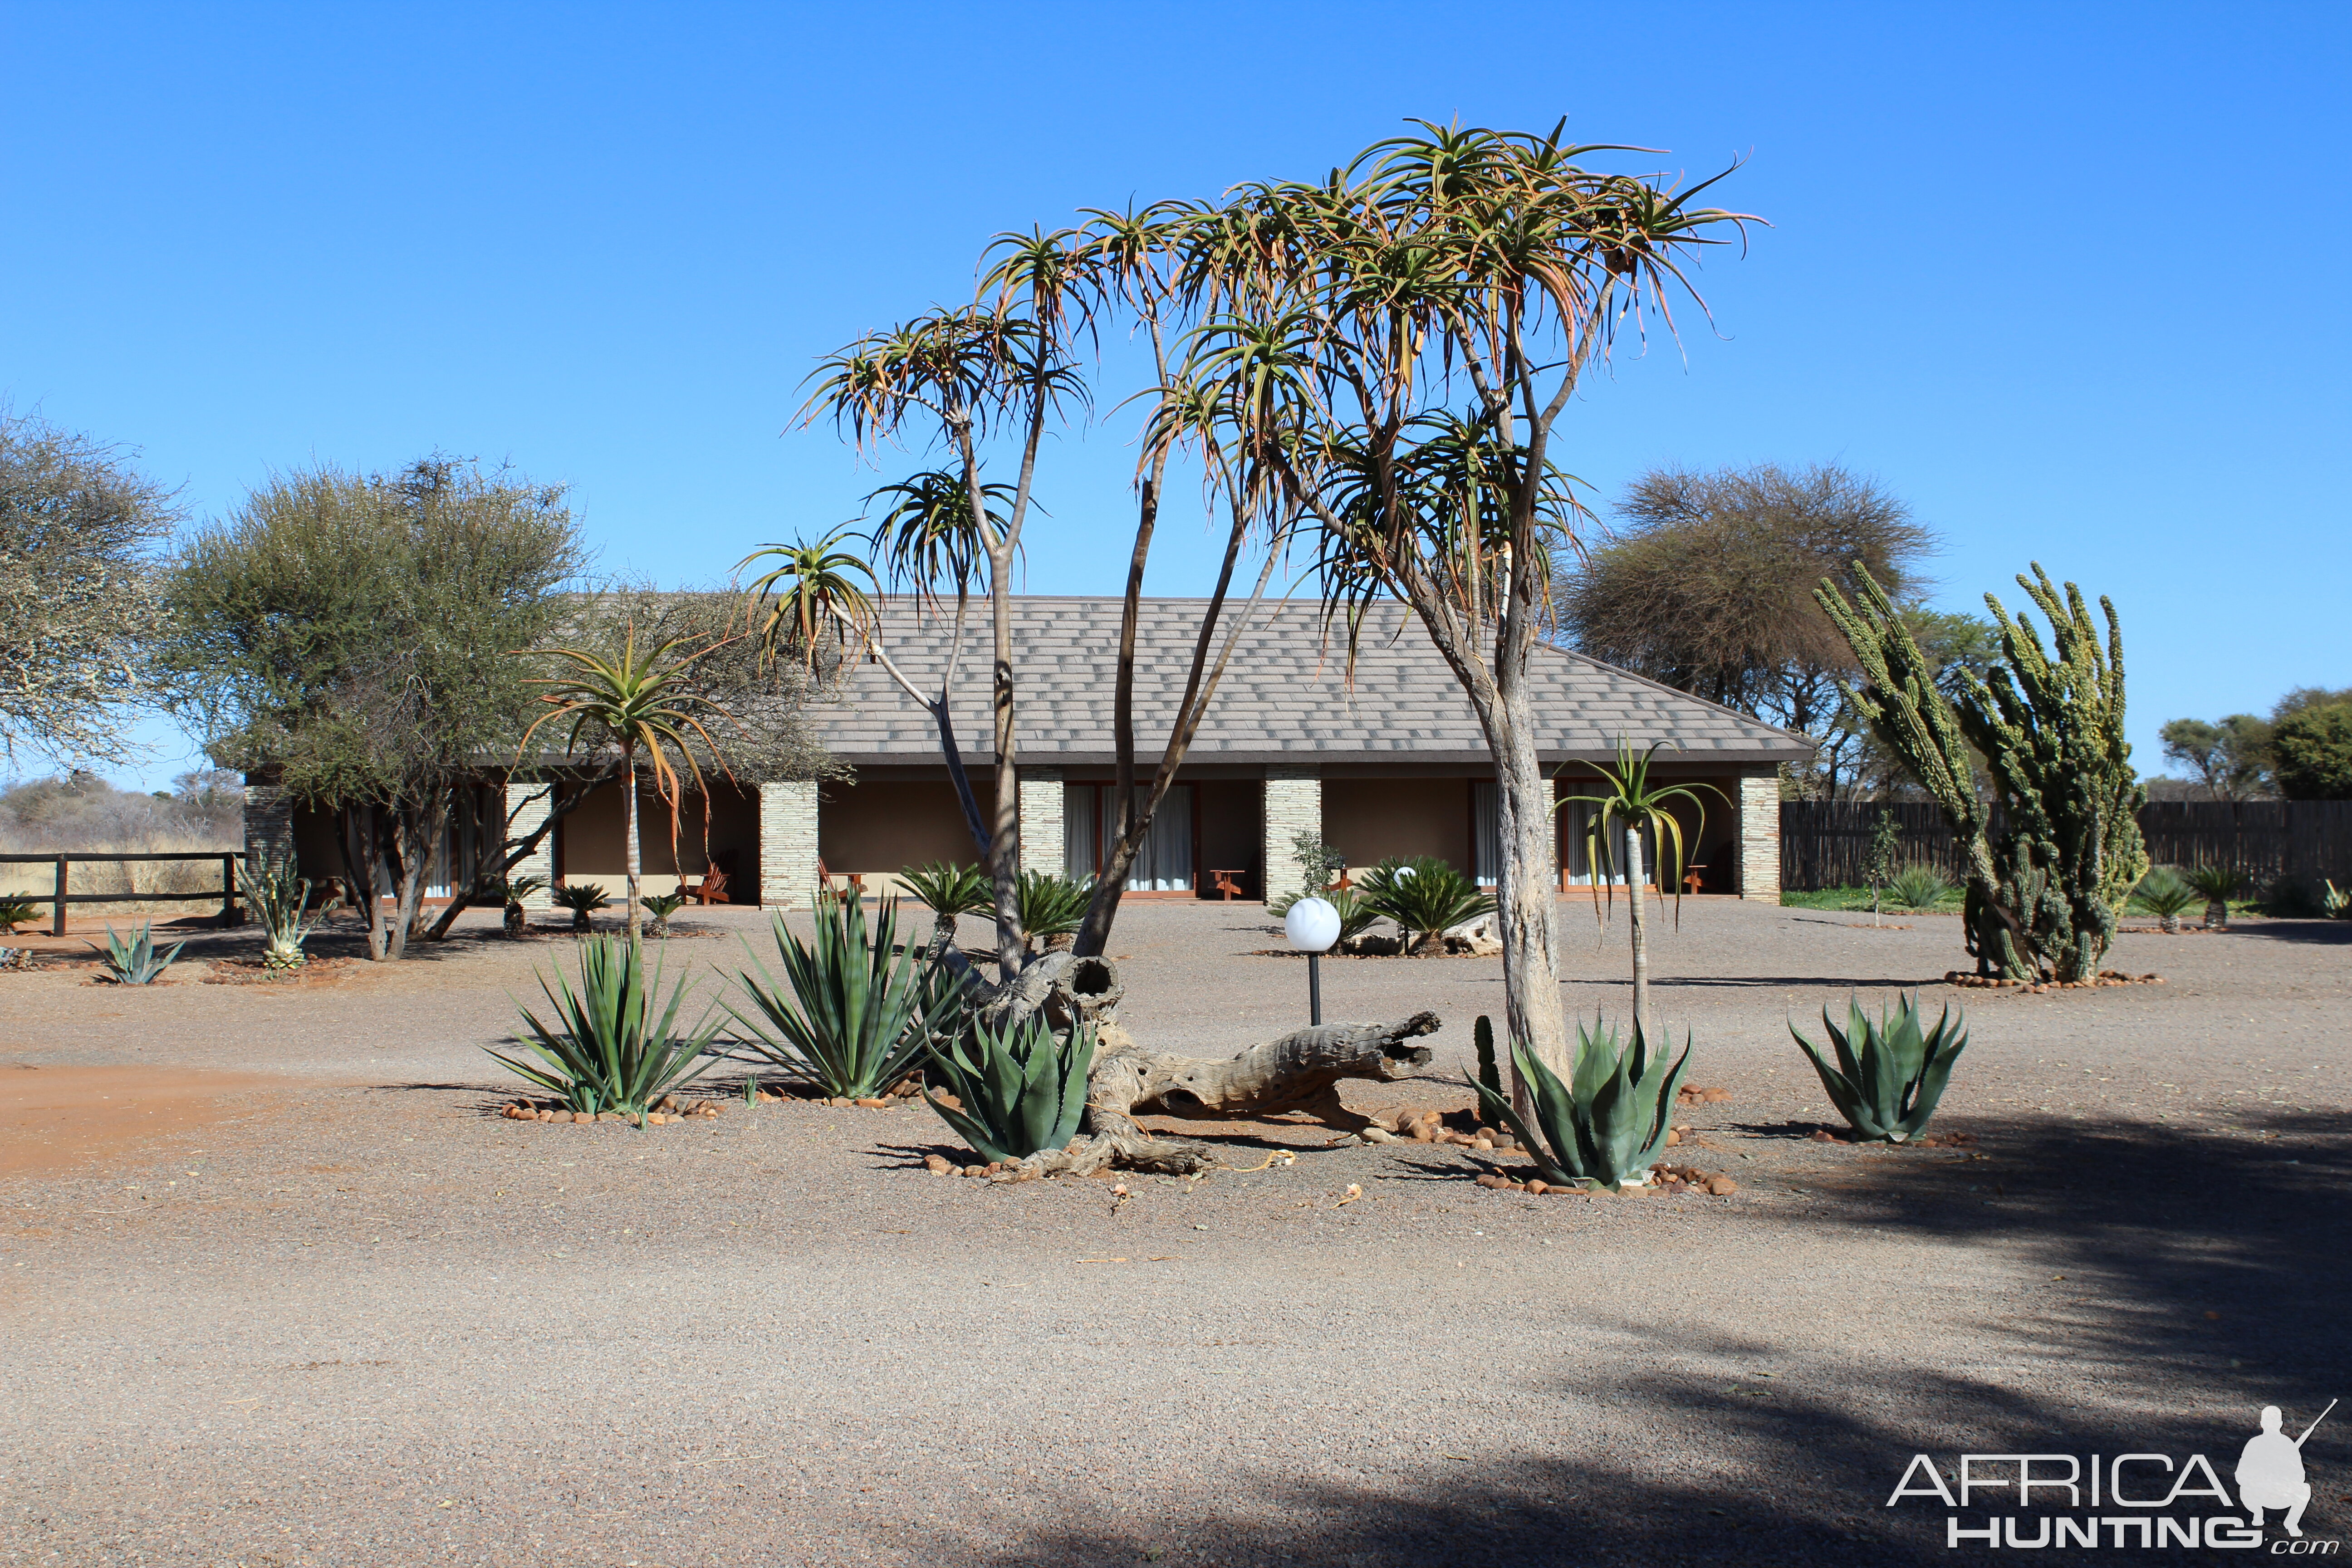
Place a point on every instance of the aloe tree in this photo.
(1629, 803)
(1397, 344)
(641, 702)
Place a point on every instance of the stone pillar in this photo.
(527, 807)
(1043, 831)
(1759, 839)
(788, 843)
(1294, 805)
(269, 825)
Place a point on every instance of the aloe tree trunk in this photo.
(1640, 935)
(629, 836)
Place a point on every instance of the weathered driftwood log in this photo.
(1300, 1071)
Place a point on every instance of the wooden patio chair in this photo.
(713, 888)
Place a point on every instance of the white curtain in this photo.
(1089, 822)
(1165, 863)
(1487, 833)
(1081, 848)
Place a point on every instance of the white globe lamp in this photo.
(1313, 926)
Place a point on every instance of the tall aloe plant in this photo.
(1607, 1121)
(855, 1011)
(1627, 802)
(1889, 1075)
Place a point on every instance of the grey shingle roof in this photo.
(1286, 696)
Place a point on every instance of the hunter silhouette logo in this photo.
(2065, 1499)
(2270, 1472)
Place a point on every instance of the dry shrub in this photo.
(81, 814)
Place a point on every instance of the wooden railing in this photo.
(226, 892)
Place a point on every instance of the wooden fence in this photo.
(1825, 843)
(64, 895)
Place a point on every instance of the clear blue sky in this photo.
(2069, 277)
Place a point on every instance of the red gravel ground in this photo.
(303, 1297)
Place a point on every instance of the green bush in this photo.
(857, 1012)
(2165, 894)
(583, 899)
(1356, 916)
(1919, 887)
(1888, 1075)
(134, 962)
(948, 889)
(1022, 1090)
(2311, 754)
(1607, 1124)
(614, 1044)
(15, 913)
(1051, 905)
(1426, 896)
(661, 906)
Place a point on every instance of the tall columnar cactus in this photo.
(2043, 892)
(1900, 699)
(2050, 724)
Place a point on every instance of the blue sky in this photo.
(2069, 277)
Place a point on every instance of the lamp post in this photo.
(1313, 926)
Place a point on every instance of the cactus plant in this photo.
(1490, 1077)
(1888, 1075)
(1021, 1091)
(1608, 1123)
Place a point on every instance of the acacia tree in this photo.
(354, 635)
(81, 603)
(1399, 343)
(1709, 587)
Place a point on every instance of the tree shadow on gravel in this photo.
(2322, 932)
(2203, 1278)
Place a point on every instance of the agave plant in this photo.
(856, 1013)
(1023, 1089)
(1918, 887)
(2164, 893)
(1608, 1123)
(661, 906)
(1890, 1074)
(615, 1044)
(1053, 906)
(1356, 916)
(2217, 885)
(947, 890)
(583, 899)
(279, 896)
(134, 962)
(1426, 896)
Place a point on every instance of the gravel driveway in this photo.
(355, 1318)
